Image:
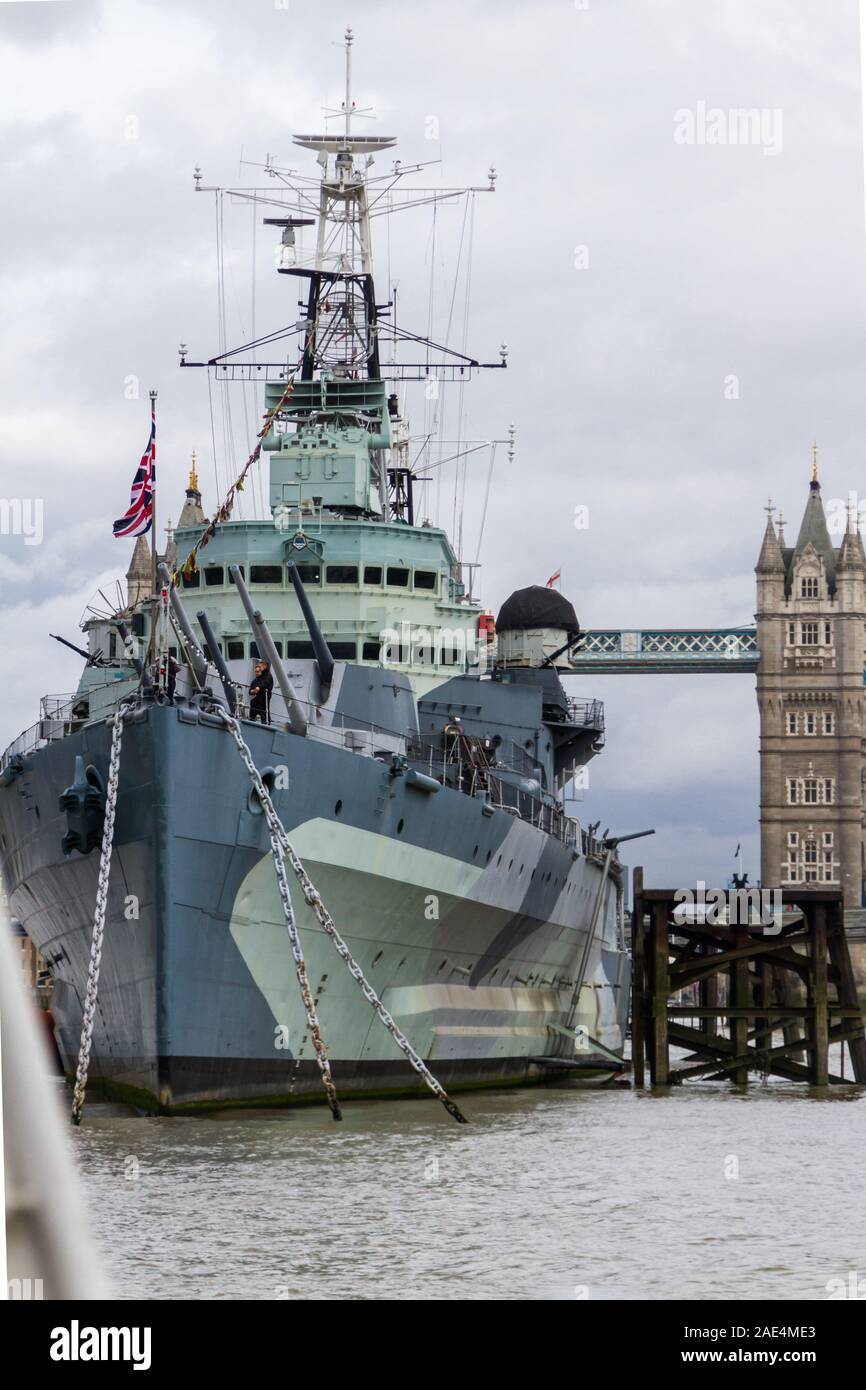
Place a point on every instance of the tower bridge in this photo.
(715, 649)
(808, 651)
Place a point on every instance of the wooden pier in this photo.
(767, 998)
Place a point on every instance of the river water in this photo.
(704, 1192)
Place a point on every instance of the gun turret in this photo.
(324, 658)
(214, 655)
(297, 717)
(195, 655)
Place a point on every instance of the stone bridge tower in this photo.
(811, 697)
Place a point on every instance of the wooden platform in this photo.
(770, 999)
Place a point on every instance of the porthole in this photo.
(475, 851)
(489, 852)
(510, 862)
(498, 860)
(338, 808)
(400, 827)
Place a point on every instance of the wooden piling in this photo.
(795, 979)
(638, 979)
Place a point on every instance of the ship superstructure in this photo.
(418, 764)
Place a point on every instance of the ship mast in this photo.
(343, 329)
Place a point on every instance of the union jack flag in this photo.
(138, 517)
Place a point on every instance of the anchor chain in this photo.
(276, 833)
(98, 919)
(314, 900)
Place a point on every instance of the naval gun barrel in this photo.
(194, 653)
(324, 659)
(215, 656)
(265, 643)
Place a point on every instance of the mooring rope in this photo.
(98, 919)
(314, 900)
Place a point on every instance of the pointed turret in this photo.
(170, 556)
(851, 558)
(813, 531)
(771, 559)
(192, 514)
(138, 576)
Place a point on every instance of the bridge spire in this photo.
(770, 560)
(852, 557)
(813, 529)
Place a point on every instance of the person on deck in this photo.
(260, 693)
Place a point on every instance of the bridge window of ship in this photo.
(242, 573)
(397, 577)
(373, 574)
(300, 651)
(342, 651)
(235, 651)
(341, 574)
(309, 574)
(425, 579)
(266, 574)
(371, 651)
(214, 576)
(191, 581)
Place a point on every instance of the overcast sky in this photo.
(633, 274)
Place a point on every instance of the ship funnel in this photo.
(324, 659)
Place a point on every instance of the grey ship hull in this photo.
(468, 922)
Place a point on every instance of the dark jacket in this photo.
(260, 692)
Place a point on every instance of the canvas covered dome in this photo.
(537, 607)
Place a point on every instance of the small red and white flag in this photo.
(138, 518)
(554, 579)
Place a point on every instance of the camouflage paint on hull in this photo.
(468, 924)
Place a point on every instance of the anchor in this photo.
(84, 804)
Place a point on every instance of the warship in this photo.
(417, 753)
